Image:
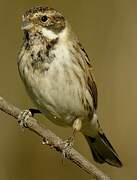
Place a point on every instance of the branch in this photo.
(52, 140)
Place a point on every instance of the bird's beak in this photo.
(26, 25)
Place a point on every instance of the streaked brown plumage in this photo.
(58, 76)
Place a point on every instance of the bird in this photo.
(58, 76)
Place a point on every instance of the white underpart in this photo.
(54, 92)
(49, 34)
(94, 125)
(90, 128)
(63, 36)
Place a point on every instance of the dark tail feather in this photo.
(103, 151)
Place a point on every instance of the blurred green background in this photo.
(108, 31)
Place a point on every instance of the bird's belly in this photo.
(57, 93)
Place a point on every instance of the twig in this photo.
(52, 140)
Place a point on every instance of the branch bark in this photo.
(52, 140)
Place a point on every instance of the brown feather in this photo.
(91, 85)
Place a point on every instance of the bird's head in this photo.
(44, 20)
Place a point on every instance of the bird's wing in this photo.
(91, 85)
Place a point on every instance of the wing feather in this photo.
(91, 85)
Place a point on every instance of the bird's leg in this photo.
(77, 124)
(24, 115)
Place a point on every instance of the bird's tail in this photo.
(103, 151)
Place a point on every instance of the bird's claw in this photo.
(23, 117)
(68, 144)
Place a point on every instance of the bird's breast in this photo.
(58, 90)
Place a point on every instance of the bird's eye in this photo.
(44, 18)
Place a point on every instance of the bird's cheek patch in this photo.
(49, 34)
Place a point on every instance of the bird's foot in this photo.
(23, 117)
(67, 146)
